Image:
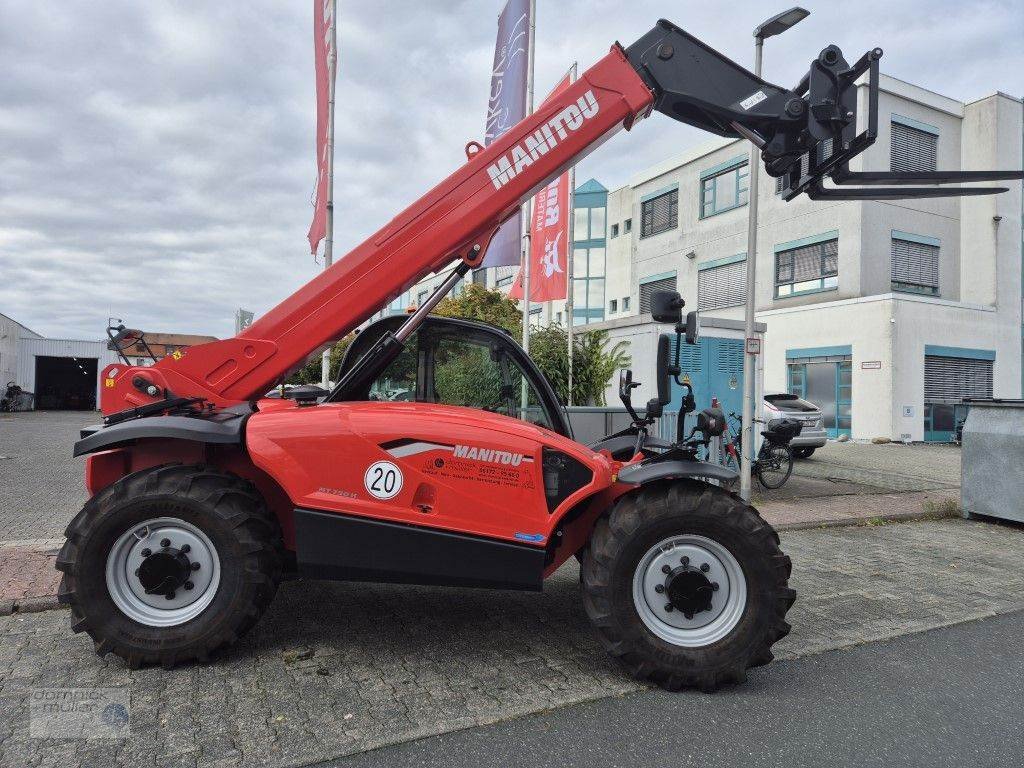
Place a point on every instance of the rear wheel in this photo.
(686, 585)
(170, 564)
(802, 453)
(774, 465)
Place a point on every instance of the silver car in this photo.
(813, 435)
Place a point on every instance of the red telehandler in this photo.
(205, 494)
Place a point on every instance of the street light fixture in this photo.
(779, 23)
(776, 25)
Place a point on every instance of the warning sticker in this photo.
(753, 99)
(499, 475)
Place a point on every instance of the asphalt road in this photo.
(947, 697)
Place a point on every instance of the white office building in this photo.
(884, 313)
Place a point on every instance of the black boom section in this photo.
(347, 548)
(806, 135)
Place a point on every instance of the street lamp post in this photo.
(774, 26)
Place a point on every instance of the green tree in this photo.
(594, 363)
(310, 373)
(485, 305)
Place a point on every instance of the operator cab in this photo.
(458, 362)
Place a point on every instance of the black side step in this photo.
(330, 545)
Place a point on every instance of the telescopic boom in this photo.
(666, 70)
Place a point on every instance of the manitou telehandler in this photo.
(205, 494)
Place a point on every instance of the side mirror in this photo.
(692, 327)
(666, 307)
(625, 384)
(661, 364)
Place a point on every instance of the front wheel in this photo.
(686, 585)
(170, 564)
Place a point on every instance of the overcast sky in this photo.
(157, 163)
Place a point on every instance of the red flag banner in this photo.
(323, 42)
(549, 236)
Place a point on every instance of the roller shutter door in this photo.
(912, 150)
(721, 287)
(647, 289)
(951, 379)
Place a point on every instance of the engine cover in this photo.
(438, 466)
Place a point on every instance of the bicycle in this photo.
(774, 462)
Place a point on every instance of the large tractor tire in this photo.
(170, 564)
(686, 585)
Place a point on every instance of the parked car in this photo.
(813, 435)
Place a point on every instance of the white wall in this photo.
(862, 323)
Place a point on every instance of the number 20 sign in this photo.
(383, 480)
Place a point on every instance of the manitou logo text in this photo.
(546, 138)
(489, 455)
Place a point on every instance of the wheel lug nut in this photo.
(669, 608)
(685, 560)
(189, 585)
(185, 549)
(659, 588)
(169, 595)
(714, 586)
(665, 569)
(195, 566)
(705, 567)
(146, 552)
(165, 543)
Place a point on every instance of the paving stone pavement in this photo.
(340, 668)
(891, 466)
(40, 481)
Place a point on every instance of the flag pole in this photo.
(570, 250)
(527, 215)
(332, 61)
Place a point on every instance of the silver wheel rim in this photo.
(727, 602)
(157, 610)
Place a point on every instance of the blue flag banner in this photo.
(506, 107)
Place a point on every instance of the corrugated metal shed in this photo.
(29, 349)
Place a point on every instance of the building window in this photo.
(420, 298)
(807, 268)
(588, 285)
(558, 318)
(914, 147)
(613, 231)
(722, 286)
(627, 226)
(588, 224)
(504, 280)
(480, 276)
(613, 306)
(724, 191)
(650, 285)
(659, 214)
(915, 264)
(625, 303)
(535, 318)
(949, 379)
